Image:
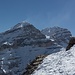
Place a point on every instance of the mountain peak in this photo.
(21, 24)
(25, 23)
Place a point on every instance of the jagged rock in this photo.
(71, 43)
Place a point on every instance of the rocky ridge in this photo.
(58, 34)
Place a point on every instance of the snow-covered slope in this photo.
(58, 34)
(60, 63)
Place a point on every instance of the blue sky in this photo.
(41, 13)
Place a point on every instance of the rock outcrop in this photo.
(71, 43)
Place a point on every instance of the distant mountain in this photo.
(20, 45)
(22, 34)
(58, 34)
(23, 43)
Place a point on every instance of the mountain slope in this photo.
(58, 34)
(22, 34)
(60, 63)
(23, 31)
(13, 61)
(21, 45)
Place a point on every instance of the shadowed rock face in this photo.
(71, 43)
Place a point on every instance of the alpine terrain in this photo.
(23, 43)
(60, 35)
(60, 63)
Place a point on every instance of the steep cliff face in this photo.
(59, 35)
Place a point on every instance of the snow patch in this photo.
(49, 31)
(48, 37)
(7, 43)
(52, 39)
